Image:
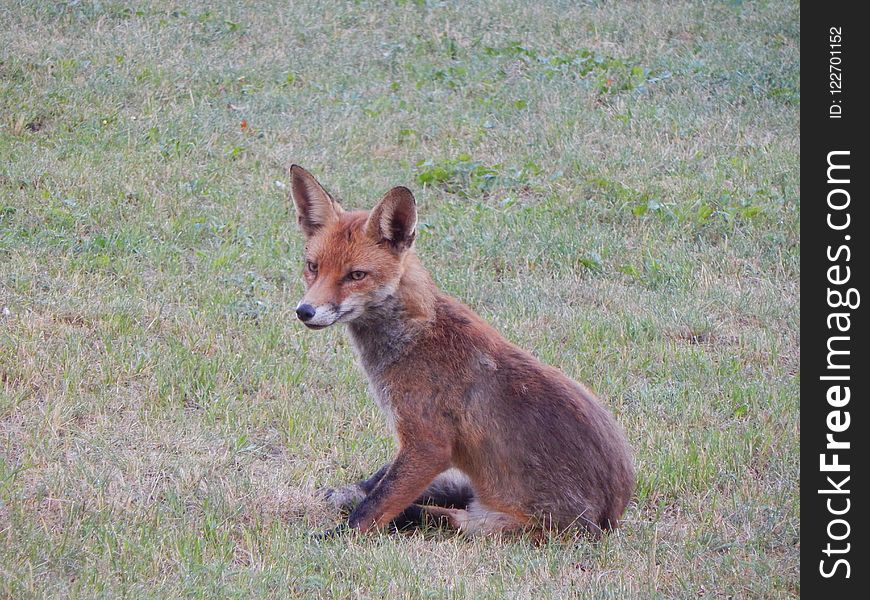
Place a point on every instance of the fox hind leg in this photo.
(478, 518)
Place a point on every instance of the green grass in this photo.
(613, 185)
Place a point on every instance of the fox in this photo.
(490, 439)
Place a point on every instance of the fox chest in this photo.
(377, 355)
(380, 391)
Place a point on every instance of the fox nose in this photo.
(305, 312)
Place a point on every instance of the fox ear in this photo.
(314, 206)
(394, 219)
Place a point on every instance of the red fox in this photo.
(489, 437)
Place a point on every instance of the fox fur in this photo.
(489, 438)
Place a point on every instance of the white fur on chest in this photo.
(376, 351)
(380, 391)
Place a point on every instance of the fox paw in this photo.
(345, 498)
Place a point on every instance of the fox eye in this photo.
(312, 266)
(357, 275)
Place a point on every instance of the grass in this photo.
(613, 185)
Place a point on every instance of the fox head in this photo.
(354, 260)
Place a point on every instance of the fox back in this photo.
(528, 446)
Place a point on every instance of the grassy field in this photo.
(613, 185)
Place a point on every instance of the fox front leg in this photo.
(405, 479)
(347, 497)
